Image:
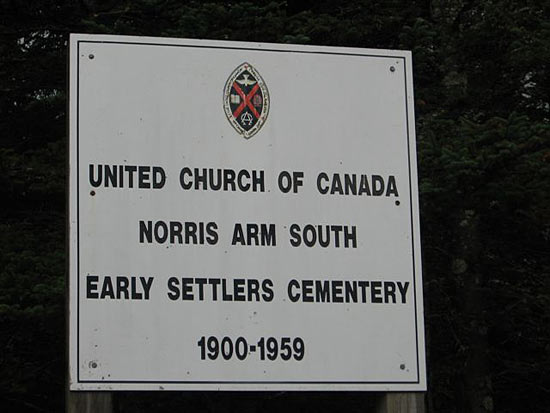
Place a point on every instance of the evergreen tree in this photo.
(482, 86)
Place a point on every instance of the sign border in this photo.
(76, 383)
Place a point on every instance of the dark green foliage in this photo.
(482, 83)
(500, 170)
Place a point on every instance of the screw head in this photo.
(392, 68)
(90, 56)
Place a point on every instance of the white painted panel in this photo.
(151, 102)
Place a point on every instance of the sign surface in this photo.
(242, 217)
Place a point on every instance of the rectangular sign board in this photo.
(243, 216)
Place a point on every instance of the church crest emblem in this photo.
(246, 100)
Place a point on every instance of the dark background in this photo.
(482, 85)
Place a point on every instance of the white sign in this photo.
(242, 217)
